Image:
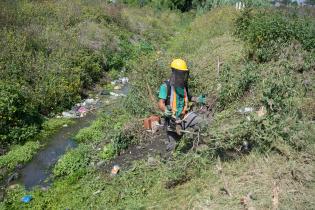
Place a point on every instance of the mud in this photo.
(155, 146)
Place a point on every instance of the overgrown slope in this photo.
(279, 170)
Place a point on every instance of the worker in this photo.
(174, 100)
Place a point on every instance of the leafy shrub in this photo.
(19, 119)
(233, 85)
(73, 162)
(54, 51)
(19, 154)
(268, 31)
(108, 152)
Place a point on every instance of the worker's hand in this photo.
(168, 113)
(201, 99)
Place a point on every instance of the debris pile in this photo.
(81, 109)
(90, 104)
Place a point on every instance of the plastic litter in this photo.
(117, 87)
(65, 125)
(115, 170)
(90, 101)
(117, 94)
(26, 198)
(245, 110)
(70, 114)
(82, 109)
(124, 80)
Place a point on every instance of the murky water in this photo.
(38, 171)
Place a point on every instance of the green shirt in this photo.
(180, 97)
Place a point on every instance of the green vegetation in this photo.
(19, 154)
(74, 162)
(54, 51)
(264, 67)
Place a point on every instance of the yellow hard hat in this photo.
(179, 64)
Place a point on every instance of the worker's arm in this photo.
(162, 106)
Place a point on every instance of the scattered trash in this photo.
(89, 102)
(155, 126)
(245, 146)
(262, 111)
(121, 80)
(245, 110)
(97, 192)
(115, 170)
(116, 94)
(124, 80)
(26, 198)
(117, 87)
(70, 114)
(65, 125)
(152, 122)
(82, 110)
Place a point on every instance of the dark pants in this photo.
(191, 121)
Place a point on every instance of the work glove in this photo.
(168, 112)
(201, 99)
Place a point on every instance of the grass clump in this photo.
(19, 154)
(73, 162)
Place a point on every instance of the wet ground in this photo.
(39, 169)
(155, 146)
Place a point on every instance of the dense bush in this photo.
(52, 52)
(266, 32)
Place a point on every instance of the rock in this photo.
(152, 161)
(100, 163)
